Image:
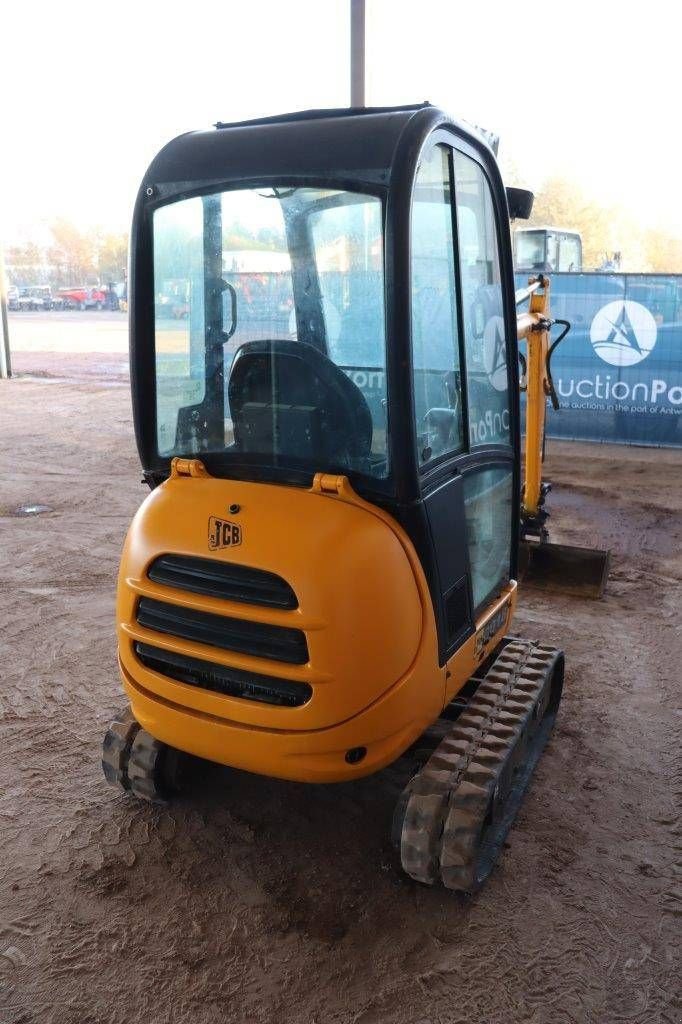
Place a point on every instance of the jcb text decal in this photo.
(223, 534)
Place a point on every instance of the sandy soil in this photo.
(256, 900)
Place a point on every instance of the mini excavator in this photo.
(325, 386)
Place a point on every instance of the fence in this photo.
(618, 373)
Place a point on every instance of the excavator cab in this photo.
(325, 392)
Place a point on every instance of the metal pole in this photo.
(357, 53)
(5, 361)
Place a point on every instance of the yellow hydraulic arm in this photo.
(562, 567)
(534, 326)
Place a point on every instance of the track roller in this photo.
(134, 761)
(455, 813)
(118, 740)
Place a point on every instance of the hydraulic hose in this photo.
(552, 392)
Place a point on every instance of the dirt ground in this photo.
(254, 900)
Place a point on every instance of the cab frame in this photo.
(376, 151)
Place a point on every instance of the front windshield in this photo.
(530, 250)
(269, 329)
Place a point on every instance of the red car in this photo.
(83, 298)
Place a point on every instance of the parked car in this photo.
(35, 297)
(13, 298)
(83, 297)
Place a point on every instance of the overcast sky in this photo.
(90, 92)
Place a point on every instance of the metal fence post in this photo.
(357, 53)
(5, 361)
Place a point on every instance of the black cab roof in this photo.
(353, 144)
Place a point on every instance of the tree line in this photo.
(605, 230)
(73, 257)
(93, 256)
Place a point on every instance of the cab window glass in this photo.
(552, 253)
(530, 250)
(178, 314)
(485, 341)
(347, 239)
(488, 498)
(435, 340)
(569, 253)
(269, 329)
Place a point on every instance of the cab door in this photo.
(462, 346)
(489, 341)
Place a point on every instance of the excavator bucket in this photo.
(564, 568)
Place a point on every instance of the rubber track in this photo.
(152, 768)
(116, 749)
(457, 810)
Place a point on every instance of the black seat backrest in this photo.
(288, 398)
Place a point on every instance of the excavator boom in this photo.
(560, 568)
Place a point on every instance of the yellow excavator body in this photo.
(323, 578)
(371, 677)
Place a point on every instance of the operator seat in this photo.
(288, 398)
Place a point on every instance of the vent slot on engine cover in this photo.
(230, 682)
(280, 643)
(223, 579)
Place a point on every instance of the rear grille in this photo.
(222, 579)
(229, 681)
(260, 639)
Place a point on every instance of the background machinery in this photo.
(547, 249)
(324, 574)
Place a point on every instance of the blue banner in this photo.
(618, 373)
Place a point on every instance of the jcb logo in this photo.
(223, 534)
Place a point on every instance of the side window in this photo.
(552, 246)
(488, 511)
(435, 341)
(569, 253)
(178, 314)
(482, 307)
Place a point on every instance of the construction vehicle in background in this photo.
(324, 575)
(545, 250)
